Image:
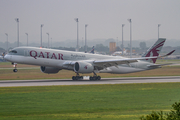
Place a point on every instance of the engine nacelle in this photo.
(49, 70)
(83, 67)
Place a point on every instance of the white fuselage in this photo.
(57, 58)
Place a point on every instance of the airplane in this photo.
(92, 51)
(51, 61)
(120, 53)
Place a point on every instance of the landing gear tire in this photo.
(95, 78)
(90, 78)
(77, 77)
(98, 77)
(15, 67)
(15, 70)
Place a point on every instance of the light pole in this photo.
(51, 43)
(83, 42)
(17, 20)
(130, 38)
(76, 19)
(122, 40)
(27, 38)
(158, 29)
(41, 34)
(48, 39)
(7, 41)
(117, 42)
(85, 38)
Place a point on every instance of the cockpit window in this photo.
(13, 51)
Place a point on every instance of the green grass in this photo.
(125, 101)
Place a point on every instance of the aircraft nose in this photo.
(6, 57)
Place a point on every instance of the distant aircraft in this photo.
(92, 51)
(118, 53)
(52, 61)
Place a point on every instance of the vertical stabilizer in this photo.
(92, 51)
(154, 50)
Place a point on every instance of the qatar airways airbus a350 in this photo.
(52, 61)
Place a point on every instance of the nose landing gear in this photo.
(14, 65)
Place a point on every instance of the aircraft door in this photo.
(25, 53)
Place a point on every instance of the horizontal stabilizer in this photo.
(158, 65)
(167, 54)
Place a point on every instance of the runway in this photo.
(127, 80)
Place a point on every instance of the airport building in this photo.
(112, 47)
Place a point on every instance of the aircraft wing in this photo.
(100, 64)
(115, 62)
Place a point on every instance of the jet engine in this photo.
(49, 70)
(83, 67)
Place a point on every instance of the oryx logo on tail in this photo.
(154, 50)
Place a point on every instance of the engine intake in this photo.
(49, 70)
(83, 67)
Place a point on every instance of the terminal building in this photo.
(112, 47)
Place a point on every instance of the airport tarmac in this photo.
(126, 80)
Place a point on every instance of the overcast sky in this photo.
(104, 19)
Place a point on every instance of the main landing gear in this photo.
(15, 65)
(78, 77)
(95, 77)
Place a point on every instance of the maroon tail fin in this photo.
(154, 50)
